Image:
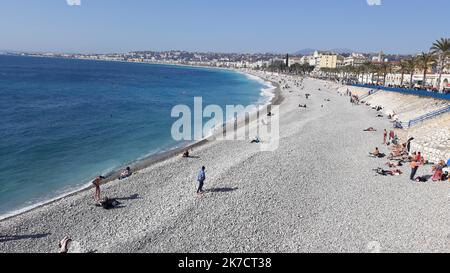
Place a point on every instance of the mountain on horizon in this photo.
(310, 51)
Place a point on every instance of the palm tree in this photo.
(359, 70)
(367, 69)
(403, 68)
(424, 62)
(411, 65)
(441, 48)
(384, 69)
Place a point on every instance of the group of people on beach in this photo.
(97, 182)
(401, 153)
(354, 99)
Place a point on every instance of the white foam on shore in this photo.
(60, 194)
(267, 94)
(44, 202)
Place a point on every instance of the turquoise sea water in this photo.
(63, 122)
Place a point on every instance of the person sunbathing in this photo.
(375, 153)
(380, 171)
(395, 172)
(108, 203)
(445, 176)
(421, 179)
(398, 150)
(393, 164)
(126, 173)
(370, 129)
(256, 140)
(398, 154)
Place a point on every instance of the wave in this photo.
(266, 95)
(267, 92)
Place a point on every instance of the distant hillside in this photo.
(310, 51)
(306, 51)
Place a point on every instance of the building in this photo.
(328, 60)
(295, 60)
(355, 59)
(380, 58)
(340, 62)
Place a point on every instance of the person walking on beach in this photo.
(201, 180)
(414, 168)
(97, 182)
(385, 136)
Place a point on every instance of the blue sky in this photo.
(396, 26)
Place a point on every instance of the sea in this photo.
(65, 121)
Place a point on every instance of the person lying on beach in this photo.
(396, 155)
(421, 179)
(370, 129)
(445, 176)
(97, 182)
(256, 140)
(393, 164)
(302, 106)
(108, 203)
(380, 171)
(126, 173)
(64, 245)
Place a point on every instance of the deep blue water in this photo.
(63, 122)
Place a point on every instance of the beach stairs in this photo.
(432, 138)
(428, 116)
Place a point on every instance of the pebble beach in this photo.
(316, 193)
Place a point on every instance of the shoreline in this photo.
(300, 198)
(149, 160)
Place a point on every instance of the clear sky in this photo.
(102, 26)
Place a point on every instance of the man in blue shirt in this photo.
(201, 179)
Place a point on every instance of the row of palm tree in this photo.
(437, 57)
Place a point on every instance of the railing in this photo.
(422, 93)
(369, 94)
(428, 116)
